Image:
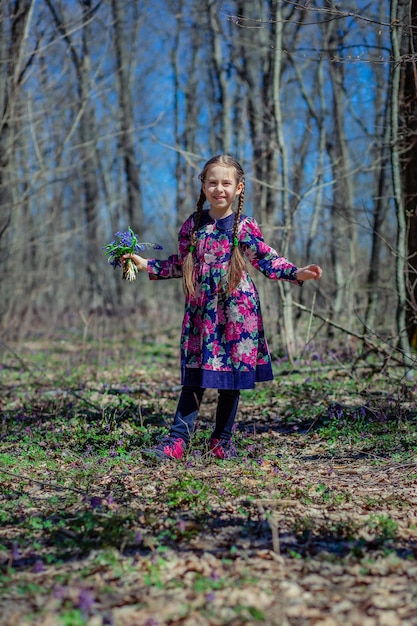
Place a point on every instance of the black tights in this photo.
(189, 404)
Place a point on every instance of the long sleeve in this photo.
(172, 266)
(167, 268)
(262, 257)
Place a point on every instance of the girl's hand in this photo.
(140, 262)
(309, 272)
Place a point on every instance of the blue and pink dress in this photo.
(223, 344)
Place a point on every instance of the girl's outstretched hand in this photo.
(140, 262)
(309, 272)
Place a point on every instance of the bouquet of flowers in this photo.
(126, 243)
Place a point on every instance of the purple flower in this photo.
(60, 592)
(86, 600)
(95, 502)
(38, 566)
(15, 551)
(126, 242)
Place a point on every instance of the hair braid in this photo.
(188, 265)
(237, 261)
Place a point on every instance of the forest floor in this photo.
(314, 523)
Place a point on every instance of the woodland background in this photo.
(109, 108)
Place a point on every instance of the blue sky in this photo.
(150, 30)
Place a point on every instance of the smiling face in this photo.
(221, 187)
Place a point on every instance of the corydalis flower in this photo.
(126, 243)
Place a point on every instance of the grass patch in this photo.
(324, 487)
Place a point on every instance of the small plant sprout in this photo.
(126, 242)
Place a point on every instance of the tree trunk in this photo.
(343, 222)
(134, 208)
(255, 72)
(186, 77)
(88, 137)
(283, 182)
(18, 261)
(382, 201)
(408, 155)
(224, 105)
(382, 195)
(399, 13)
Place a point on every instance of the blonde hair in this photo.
(237, 262)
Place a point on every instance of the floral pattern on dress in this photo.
(223, 344)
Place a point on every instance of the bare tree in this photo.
(270, 81)
(15, 21)
(134, 207)
(382, 185)
(404, 158)
(221, 78)
(407, 115)
(343, 241)
(81, 60)
(187, 76)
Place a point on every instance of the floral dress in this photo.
(223, 344)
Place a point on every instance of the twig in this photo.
(28, 366)
(379, 349)
(310, 318)
(43, 483)
(273, 523)
(19, 358)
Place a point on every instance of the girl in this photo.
(223, 345)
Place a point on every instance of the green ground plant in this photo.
(323, 490)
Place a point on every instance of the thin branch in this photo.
(389, 351)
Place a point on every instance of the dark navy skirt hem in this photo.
(209, 379)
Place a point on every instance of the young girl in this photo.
(223, 345)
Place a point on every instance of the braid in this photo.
(199, 212)
(237, 262)
(188, 265)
